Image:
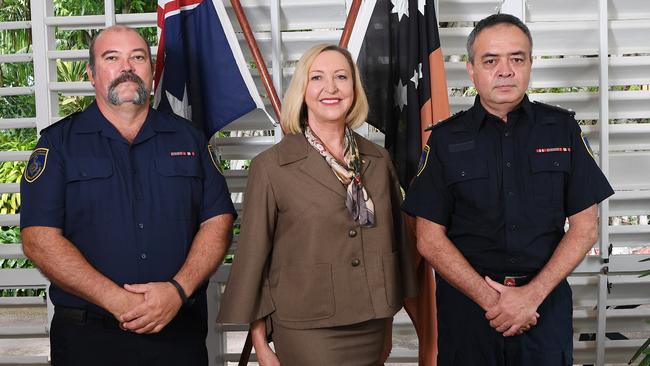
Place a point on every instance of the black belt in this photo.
(510, 280)
(85, 317)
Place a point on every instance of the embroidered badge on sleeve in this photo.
(586, 143)
(36, 165)
(423, 159)
(216, 161)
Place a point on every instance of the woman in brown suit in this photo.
(323, 258)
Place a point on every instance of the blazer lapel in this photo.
(295, 147)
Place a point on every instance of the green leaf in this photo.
(640, 351)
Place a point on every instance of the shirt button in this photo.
(462, 173)
(555, 163)
(84, 174)
(511, 194)
(355, 262)
(513, 227)
(513, 260)
(352, 233)
(143, 256)
(506, 134)
(508, 164)
(141, 225)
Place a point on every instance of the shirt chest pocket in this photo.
(468, 181)
(548, 176)
(179, 186)
(89, 190)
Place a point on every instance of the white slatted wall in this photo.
(568, 28)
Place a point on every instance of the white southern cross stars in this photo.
(421, 4)
(401, 7)
(400, 95)
(417, 75)
(180, 107)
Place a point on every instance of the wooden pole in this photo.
(277, 107)
(349, 23)
(257, 56)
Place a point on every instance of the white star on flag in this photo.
(401, 8)
(180, 107)
(417, 75)
(400, 95)
(421, 4)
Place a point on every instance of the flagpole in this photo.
(275, 103)
(257, 57)
(349, 23)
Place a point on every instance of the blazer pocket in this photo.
(305, 293)
(392, 279)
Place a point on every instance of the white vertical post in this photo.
(109, 12)
(603, 87)
(47, 103)
(276, 62)
(514, 7)
(216, 340)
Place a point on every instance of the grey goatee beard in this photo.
(141, 93)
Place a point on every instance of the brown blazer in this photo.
(302, 259)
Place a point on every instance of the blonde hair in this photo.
(294, 109)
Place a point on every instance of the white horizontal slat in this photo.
(24, 360)
(22, 301)
(629, 170)
(77, 22)
(4, 26)
(23, 331)
(618, 264)
(629, 235)
(294, 14)
(9, 188)
(466, 10)
(617, 352)
(625, 203)
(14, 155)
(6, 123)
(618, 320)
(11, 251)
(236, 180)
(622, 137)
(10, 220)
(16, 57)
(562, 10)
(294, 43)
(16, 90)
(242, 148)
(22, 278)
(254, 120)
(626, 290)
(566, 38)
(623, 104)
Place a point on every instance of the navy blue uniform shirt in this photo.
(504, 190)
(131, 209)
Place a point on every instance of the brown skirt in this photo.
(349, 345)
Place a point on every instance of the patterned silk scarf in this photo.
(358, 201)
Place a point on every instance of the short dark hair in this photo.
(491, 21)
(91, 49)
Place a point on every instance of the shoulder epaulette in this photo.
(69, 117)
(556, 108)
(445, 121)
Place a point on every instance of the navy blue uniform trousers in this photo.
(465, 337)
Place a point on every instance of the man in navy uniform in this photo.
(125, 211)
(495, 186)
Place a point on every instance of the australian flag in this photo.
(201, 73)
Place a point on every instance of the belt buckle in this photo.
(511, 281)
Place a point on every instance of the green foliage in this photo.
(644, 350)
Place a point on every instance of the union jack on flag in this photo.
(201, 73)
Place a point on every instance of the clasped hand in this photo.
(158, 306)
(515, 312)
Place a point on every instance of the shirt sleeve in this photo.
(42, 188)
(247, 296)
(587, 185)
(216, 196)
(428, 196)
